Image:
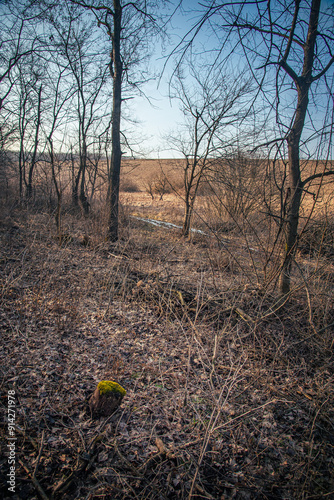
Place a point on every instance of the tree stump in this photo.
(106, 398)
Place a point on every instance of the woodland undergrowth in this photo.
(228, 395)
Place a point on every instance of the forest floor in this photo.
(228, 396)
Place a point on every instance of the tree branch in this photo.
(293, 27)
(270, 32)
(326, 68)
(91, 7)
(317, 176)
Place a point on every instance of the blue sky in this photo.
(156, 120)
(163, 116)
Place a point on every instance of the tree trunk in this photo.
(187, 218)
(75, 182)
(83, 198)
(303, 84)
(21, 164)
(291, 223)
(75, 191)
(34, 154)
(57, 188)
(116, 70)
(22, 130)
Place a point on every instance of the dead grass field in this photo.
(228, 395)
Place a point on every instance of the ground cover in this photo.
(228, 395)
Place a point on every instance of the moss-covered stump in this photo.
(106, 398)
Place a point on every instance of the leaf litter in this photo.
(216, 406)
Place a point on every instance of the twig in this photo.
(35, 482)
(204, 492)
(251, 411)
(149, 461)
(214, 418)
(32, 441)
(103, 425)
(243, 315)
(83, 463)
(39, 455)
(125, 461)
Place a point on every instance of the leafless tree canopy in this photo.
(288, 50)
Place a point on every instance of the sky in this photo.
(162, 116)
(156, 119)
(158, 116)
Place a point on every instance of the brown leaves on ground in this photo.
(218, 405)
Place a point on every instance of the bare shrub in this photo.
(237, 185)
(204, 188)
(318, 238)
(149, 188)
(158, 186)
(129, 186)
(162, 186)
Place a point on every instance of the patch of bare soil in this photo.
(227, 397)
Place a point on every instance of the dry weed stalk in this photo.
(211, 427)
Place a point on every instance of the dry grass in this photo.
(142, 171)
(228, 396)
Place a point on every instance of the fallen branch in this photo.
(34, 481)
(39, 454)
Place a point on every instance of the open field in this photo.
(230, 394)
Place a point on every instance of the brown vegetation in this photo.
(167, 325)
(229, 391)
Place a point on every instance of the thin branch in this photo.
(326, 68)
(270, 32)
(317, 176)
(92, 7)
(35, 482)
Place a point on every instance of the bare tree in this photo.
(61, 94)
(17, 42)
(212, 104)
(159, 185)
(26, 107)
(288, 47)
(48, 39)
(73, 30)
(128, 27)
(37, 126)
(75, 39)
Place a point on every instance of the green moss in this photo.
(107, 386)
